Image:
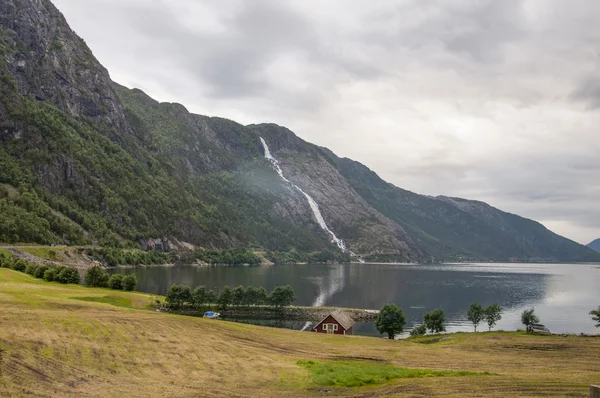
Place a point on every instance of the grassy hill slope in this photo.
(55, 340)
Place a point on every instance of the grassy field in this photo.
(68, 340)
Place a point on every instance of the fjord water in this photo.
(562, 294)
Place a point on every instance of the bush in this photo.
(115, 282)
(419, 330)
(129, 282)
(19, 265)
(96, 277)
(50, 274)
(67, 275)
(31, 268)
(39, 272)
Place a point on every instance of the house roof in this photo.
(341, 317)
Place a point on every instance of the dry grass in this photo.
(54, 345)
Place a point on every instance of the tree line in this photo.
(97, 277)
(391, 319)
(240, 297)
(94, 277)
(47, 272)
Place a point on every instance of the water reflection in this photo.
(563, 294)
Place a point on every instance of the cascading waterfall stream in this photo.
(313, 205)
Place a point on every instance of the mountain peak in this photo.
(84, 160)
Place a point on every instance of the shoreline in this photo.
(299, 313)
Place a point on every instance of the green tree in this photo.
(493, 313)
(96, 277)
(419, 330)
(596, 316)
(129, 282)
(199, 296)
(67, 275)
(211, 297)
(391, 320)
(115, 282)
(476, 314)
(528, 318)
(178, 296)
(282, 296)
(225, 298)
(434, 321)
(238, 296)
(256, 295)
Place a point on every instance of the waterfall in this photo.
(311, 202)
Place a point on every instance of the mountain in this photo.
(85, 160)
(595, 245)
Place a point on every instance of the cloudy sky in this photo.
(491, 100)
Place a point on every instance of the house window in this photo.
(330, 327)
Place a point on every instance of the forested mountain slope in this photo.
(85, 160)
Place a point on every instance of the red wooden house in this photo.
(338, 322)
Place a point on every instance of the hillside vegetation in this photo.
(84, 161)
(67, 340)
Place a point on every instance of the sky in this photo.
(497, 101)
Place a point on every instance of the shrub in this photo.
(419, 330)
(19, 265)
(39, 272)
(50, 274)
(115, 282)
(31, 268)
(129, 282)
(96, 277)
(67, 275)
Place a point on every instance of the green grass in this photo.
(112, 300)
(47, 253)
(357, 374)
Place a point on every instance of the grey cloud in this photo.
(589, 93)
(482, 99)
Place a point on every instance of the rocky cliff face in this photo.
(83, 159)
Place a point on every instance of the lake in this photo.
(562, 294)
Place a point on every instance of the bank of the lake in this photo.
(562, 294)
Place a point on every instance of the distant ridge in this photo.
(595, 245)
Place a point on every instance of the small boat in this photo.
(538, 328)
(211, 315)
